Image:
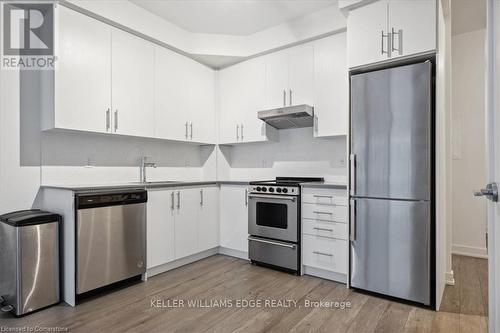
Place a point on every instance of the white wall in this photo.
(468, 145)
(297, 154)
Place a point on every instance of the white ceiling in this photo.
(231, 17)
(467, 16)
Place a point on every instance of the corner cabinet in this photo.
(385, 30)
(242, 93)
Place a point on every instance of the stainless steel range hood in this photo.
(289, 117)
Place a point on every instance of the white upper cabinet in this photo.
(242, 93)
(390, 29)
(331, 86)
(412, 26)
(301, 75)
(83, 75)
(365, 26)
(171, 94)
(132, 88)
(289, 77)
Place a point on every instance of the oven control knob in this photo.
(258, 189)
(285, 190)
(264, 189)
(278, 190)
(271, 189)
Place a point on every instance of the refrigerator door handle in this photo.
(352, 221)
(352, 176)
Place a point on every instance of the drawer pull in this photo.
(290, 246)
(323, 229)
(323, 196)
(318, 212)
(323, 254)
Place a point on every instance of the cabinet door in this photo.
(160, 228)
(277, 79)
(201, 103)
(132, 75)
(187, 205)
(234, 218)
(301, 75)
(231, 89)
(331, 86)
(364, 34)
(171, 94)
(83, 76)
(416, 20)
(208, 219)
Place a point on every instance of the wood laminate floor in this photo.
(139, 308)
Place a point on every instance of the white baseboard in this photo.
(449, 278)
(469, 251)
(233, 253)
(180, 262)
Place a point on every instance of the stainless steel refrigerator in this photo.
(391, 181)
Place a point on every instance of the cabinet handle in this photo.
(323, 229)
(186, 129)
(201, 197)
(352, 221)
(400, 41)
(316, 123)
(352, 174)
(326, 213)
(108, 120)
(290, 99)
(116, 120)
(191, 127)
(237, 132)
(178, 199)
(172, 205)
(388, 36)
(246, 197)
(241, 132)
(323, 253)
(284, 97)
(323, 196)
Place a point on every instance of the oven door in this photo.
(273, 216)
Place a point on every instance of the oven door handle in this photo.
(290, 246)
(277, 197)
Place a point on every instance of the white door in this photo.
(277, 79)
(201, 104)
(364, 34)
(160, 228)
(234, 218)
(493, 160)
(415, 25)
(133, 80)
(187, 205)
(301, 75)
(208, 219)
(253, 100)
(231, 90)
(331, 86)
(83, 75)
(171, 87)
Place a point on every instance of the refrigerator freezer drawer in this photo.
(324, 212)
(391, 251)
(325, 253)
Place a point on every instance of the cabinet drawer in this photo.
(325, 229)
(325, 196)
(325, 253)
(324, 212)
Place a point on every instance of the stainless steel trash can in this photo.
(29, 261)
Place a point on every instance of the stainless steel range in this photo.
(274, 222)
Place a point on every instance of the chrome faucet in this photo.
(145, 165)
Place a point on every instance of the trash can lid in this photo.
(29, 217)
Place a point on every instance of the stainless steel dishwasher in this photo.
(110, 238)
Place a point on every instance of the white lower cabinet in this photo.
(181, 222)
(234, 217)
(325, 245)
